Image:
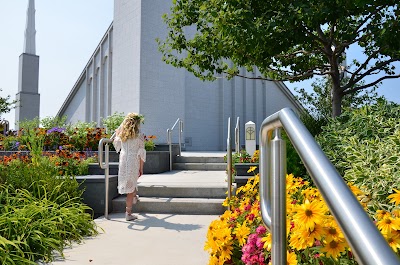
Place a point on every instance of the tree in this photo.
(286, 40)
(5, 105)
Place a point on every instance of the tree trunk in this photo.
(336, 100)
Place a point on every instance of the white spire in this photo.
(30, 32)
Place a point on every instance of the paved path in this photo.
(153, 239)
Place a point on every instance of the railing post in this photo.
(278, 214)
(229, 161)
(106, 166)
(169, 141)
(107, 177)
(367, 243)
(180, 136)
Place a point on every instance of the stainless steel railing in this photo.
(229, 161)
(366, 242)
(237, 136)
(105, 164)
(169, 139)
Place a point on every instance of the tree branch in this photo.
(370, 84)
(361, 76)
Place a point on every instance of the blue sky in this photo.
(68, 31)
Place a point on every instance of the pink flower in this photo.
(261, 230)
(259, 243)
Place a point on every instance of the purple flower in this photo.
(16, 144)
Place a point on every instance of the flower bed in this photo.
(240, 237)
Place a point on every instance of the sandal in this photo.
(130, 217)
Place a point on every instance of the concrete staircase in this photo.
(196, 186)
(204, 163)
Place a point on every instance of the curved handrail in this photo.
(237, 136)
(229, 160)
(366, 242)
(106, 166)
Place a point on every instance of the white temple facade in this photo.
(126, 74)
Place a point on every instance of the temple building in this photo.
(126, 74)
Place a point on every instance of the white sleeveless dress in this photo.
(129, 164)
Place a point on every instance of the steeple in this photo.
(30, 32)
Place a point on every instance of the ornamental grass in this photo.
(240, 237)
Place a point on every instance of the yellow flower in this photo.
(297, 241)
(333, 248)
(242, 232)
(213, 260)
(291, 258)
(267, 242)
(309, 213)
(251, 169)
(395, 197)
(332, 231)
(380, 214)
(226, 251)
(310, 235)
(387, 224)
(394, 240)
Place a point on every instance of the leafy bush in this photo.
(364, 145)
(112, 122)
(33, 227)
(240, 237)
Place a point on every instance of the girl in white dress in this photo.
(130, 143)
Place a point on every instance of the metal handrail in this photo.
(169, 139)
(229, 160)
(237, 136)
(106, 166)
(366, 242)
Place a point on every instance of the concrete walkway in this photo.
(152, 239)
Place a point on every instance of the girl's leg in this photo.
(129, 201)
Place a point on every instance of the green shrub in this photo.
(112, 122)
(22, 175)
(364, 145)
(33, 228)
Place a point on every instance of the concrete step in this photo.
(199, 159)
(183, 191)
(172, 205)
(200, 166)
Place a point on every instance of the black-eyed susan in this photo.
(387, 224)
(310, 213)
(393, 239)
(333, 248)
(395, 197)
(242, 231)
(332, 231)
(291, 258)
(226, 251)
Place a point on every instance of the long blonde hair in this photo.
(130, 126)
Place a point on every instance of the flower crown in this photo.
(138, 117)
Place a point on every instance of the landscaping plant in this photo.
(364, 146)
(239, 236)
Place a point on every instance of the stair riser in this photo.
(172, 208)
(199, 166)
(183, 192)
(190, 159)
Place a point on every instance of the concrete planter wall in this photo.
(242, 168)
(241, 173)
(94, 192)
